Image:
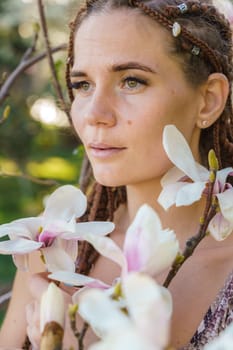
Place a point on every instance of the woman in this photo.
(134, 67)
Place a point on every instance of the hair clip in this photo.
(176, 29)
(195, 50)
(183, 7)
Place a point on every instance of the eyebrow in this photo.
(118, 68)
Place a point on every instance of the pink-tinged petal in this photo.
(21, 261)
(19, 246)
(64, 203)
(219, 227)
(190, 193)
(145, 221)
(147, 247)
(54, 229)
(76, 279)
(223, 174)
(168, 195)
(179, 152)
(149, 304)
(225, 200)
(101, 228)
(101, 312)
(108, 248)
(57, 259)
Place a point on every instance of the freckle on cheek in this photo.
(129, 122)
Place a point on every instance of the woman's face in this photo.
(127, 88)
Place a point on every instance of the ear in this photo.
(214, 96)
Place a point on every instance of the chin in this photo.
(108, 181)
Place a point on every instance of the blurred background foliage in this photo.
(35, 139)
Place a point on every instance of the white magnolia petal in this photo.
(223, 174)
(70, 247)
(101, 228)
(139, 237)
(225, 200)
(64, 203)
(57, 259)
(101, 312)
(147, 247)
(76, 279)
(52, 307)
(23, 227)
(19, 246)
(179, 152)
(15, 229)
(149, 304)
(219, 227)
(124, 339)
(190, 193)
(108, 248)
(167, 197)
(32, 225)
(21, 261)
(162, 253)
(172, 175)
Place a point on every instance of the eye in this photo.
(81, 85)
(133, 83)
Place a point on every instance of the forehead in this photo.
(120, 34)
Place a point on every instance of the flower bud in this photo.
(52, 318)
(213, 161)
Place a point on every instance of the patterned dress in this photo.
(217, 318)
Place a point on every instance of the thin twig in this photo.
(56, 83)
(24, 65)
(82, 335)
(193, 242)
(30, 178)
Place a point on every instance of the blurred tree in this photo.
(35, 140)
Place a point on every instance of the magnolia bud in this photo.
(52, 318)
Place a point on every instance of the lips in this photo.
(103, 150)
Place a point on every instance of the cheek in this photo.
(76, 119)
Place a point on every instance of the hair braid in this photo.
(102, 203)
(186, 34)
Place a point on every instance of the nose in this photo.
(100, 110)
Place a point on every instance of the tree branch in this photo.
(56, 83)
(25, 63)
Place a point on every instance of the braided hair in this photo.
(202, 44)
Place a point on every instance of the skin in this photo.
(119, 112)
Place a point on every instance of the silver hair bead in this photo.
(183, 8)
(195, 50)
(176, 29)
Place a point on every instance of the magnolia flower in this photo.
(145, 325)
(147, 248)
(54, 233)
(224, 341)
(177, 190)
